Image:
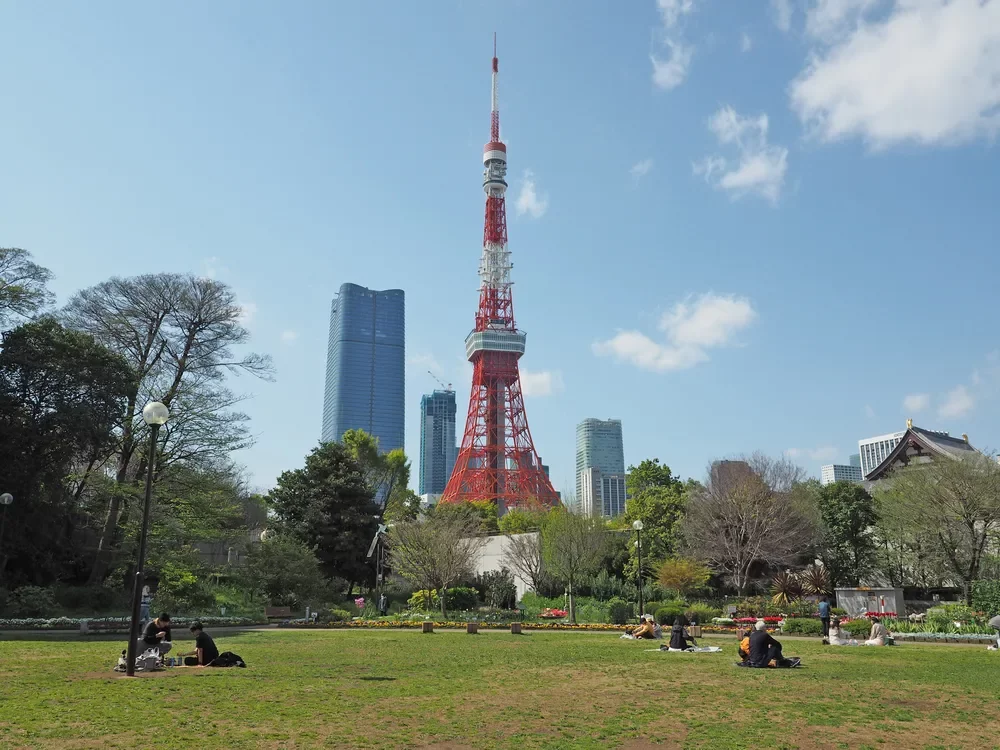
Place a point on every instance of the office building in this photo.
(437, 441)
(598, 446)
(854, 460)
(365, 366)
(601, 494)
(874, 450)
(840, 473)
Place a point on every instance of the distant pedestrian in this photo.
(824, 616)
(995, 624)
(144, 603)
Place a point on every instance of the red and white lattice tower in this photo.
(497, 460)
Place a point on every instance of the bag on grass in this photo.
(229, 659)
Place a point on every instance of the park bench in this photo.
(277, 613)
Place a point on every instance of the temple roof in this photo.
(918, 442)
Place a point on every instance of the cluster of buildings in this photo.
(876, 456)
(365, 389)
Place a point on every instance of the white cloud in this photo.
(543, 383)
(957, 403)
(671, 11)
(828, 19)
(916, 402)
(823, 453)
(248, 310)
(760, 167)
(746, 43)
(529, 201)
(670, 73)
(641, 169)
(671, 70)
(869, 411)
(782, 10)
(289, 337)
(926, 72)
(425, 362)
(710, 322)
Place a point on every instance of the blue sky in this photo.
(734, 226)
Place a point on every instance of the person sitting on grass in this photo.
(157, 634)
(837, 636)
(744, 647)
(680, 639)
(764, 649)
(205, 652)
(646, 629)
(878, 635)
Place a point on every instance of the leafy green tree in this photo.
(329, 507)
(482, 512)
(282, 570)
(386, 474)
(61, 394)
(657, 499)
(23, 285)
(683, 575)
(849, 518)
(522, 520)
(573, 546)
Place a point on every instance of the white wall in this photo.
(492, 559)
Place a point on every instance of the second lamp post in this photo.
(637, 525)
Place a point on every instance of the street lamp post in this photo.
(154, 414)
(5, 500)
(637, 525)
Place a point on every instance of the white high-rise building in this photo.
(601, 494)
(840, 473)
(875, 450)
(599, 446)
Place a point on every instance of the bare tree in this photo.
(748, 513)
(23, 290)
(177, 333)
(435, 553)
(952, 504)
(573, 546)
(523, 554)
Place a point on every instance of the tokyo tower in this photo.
(497, 460)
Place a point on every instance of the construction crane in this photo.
(446, 387)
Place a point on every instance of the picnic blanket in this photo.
(699, 650)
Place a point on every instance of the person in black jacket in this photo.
(763, 648)
(680, 639)
(157, 634)
(205, 652)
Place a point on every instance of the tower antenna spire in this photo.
(497, 459)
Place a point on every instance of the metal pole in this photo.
(3, 525)
(141, 560)
(638, 544)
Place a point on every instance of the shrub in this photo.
(606, 587)
(461, 597)
(946, 615)
(32, 601)
(619, 611)
(91, 599)
(592, 612)
(986, 597)
(802, 626)
(497, 589)
(424, 600)
(666, 614)
(857, 628)
(339, 615)
(838, 611)
(699, 612)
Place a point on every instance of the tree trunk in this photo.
(441, 598)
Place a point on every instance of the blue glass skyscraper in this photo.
(437, 441)
(365, 366)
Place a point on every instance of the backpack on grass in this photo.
(229, 659)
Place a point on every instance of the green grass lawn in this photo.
(396, 689)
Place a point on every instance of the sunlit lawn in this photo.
(401, 689)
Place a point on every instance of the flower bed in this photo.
(116, 624)
(416, 624)
(553, 614)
